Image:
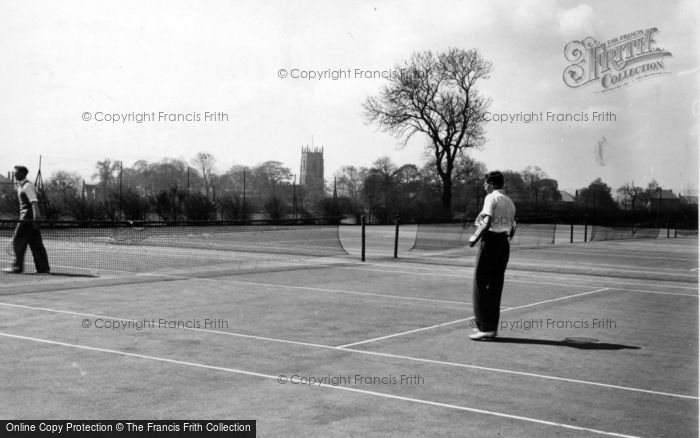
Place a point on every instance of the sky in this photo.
(71, 65)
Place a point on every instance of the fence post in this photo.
(362, 221)
(571, 239)
(396, 237)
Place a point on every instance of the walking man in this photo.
(495, 227)
(27, 232)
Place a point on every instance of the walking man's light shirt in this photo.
(27, 196)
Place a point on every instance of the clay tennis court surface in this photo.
(596, 339)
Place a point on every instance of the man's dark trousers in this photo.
(491, 262)
(26, 234)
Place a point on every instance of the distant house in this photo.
(6, 183)
(566, 197)
(665, 200)
(689, 200)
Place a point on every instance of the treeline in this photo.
(168, 190)
(173, 189)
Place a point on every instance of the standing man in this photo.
(27, 231)
(495, 227)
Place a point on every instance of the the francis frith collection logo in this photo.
(616, 62)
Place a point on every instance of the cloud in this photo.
(533, 15)
(577, 21)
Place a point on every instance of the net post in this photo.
(362, 222)
(571, 237)
(396, 238)
(668, 231)
(585, 232)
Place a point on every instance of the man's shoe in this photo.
(12, 270)
(478, 335)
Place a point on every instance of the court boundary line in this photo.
(513, 269)
(419, 266)
(521, 266)
(514, 280)
(323, 385)
(381, 338)
(572, 284)
(250, 256)
(371, 353)
(340, 291)
(653, 292)
(230, 280)
(156, 277)
(587, 252)
(537, 262)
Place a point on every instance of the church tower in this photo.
(311, 174)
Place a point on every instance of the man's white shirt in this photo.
(501, 209)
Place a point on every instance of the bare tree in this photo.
(631, 194)
(107, 171)
(349, 180)
(66, 183)
(435, 95)
(205, 161)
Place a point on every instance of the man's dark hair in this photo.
(495, 178)
(22, 169)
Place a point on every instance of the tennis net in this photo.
(599, 233)
(93, 248)
(449, 236)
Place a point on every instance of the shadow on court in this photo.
(582, 344)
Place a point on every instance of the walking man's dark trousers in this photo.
(489, 274)
(27, 234)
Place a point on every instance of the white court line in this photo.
(516, 280)
(316, 289)
(610, 267)
(418, 266)
(514, 258)
(427, 299)
(585, 251)
(365, 352)
(331, 266)
(339, 291)
(422, 329)
(512, 269)
(467, 319)
(653, 292)
(323, 385)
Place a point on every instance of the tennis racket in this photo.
(481, 227)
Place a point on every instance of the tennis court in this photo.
(596, 339)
